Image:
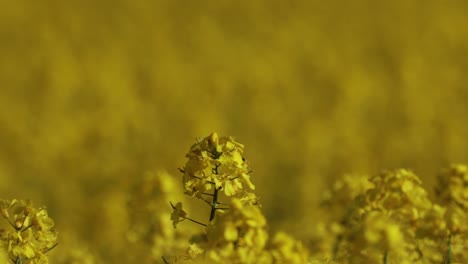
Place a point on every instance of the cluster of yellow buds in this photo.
(237, 229)
(28, 233)
(237, 235)
(398, 192)
(394, 221)
(216, 163)
(452, 193)
(381, 238)
(387, 218)
(150, 227)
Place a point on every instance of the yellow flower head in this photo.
(399, 192)
(286, 249)
(32, 232)
(216, 162)
(238, 235)
(375, 236)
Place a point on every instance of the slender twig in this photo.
(385, 257)
(195, 221)
(22, 230)
(217, 203)
(49, 249)
(188, 218)
(165, 261)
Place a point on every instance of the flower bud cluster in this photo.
(29, 232)
(216, 162)
(150, 227)
(452, 193)
(378, 234)
(239, 235)
(394, 221)
(237, 229)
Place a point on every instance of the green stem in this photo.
(448, 257)
(385, 257)
(336, 246)
(214, 204)
(195, 221)
(214, 201)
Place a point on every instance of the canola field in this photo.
(331, 131)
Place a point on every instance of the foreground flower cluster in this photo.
(236, 229)
(29, 232)
(385, 218)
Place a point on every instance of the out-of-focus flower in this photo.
(452, 192)
(389, 217)
(151, 229)
(285, 249)
(400, 194)
(236, 236)
(376, 237)
(178, 214)
(344, 190)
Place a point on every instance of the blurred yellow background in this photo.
(95, 93)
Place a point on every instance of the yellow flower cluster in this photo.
(29, 233)
(285, 249)
(150, 227)
(387, 218)
(394, 221)
(216, 162)
(343, 191)
(398, 192)
(452, 192)
(237, 229)
(374, 238)
(238, 236)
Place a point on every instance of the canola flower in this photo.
(393, 220)
(386, 218)
(31, 233)
(237, 229)
(151, 223)
(452, 192)
(216, 163)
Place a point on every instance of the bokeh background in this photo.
(95, 93)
